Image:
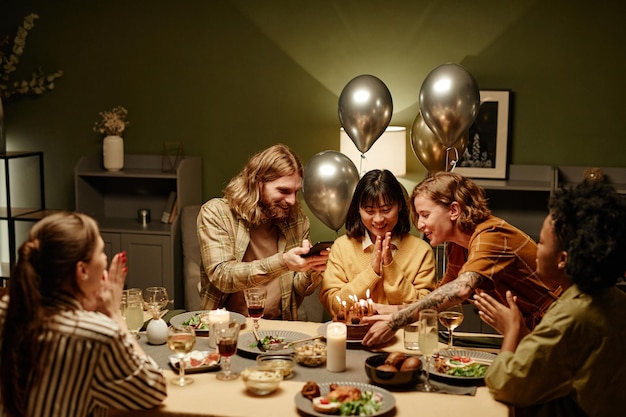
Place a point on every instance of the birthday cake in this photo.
(356, 328)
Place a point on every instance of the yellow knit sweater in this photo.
(411, 274)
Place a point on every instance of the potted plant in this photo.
(112, 124)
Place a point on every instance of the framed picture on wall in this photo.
(486, 155)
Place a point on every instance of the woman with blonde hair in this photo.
(482, 252)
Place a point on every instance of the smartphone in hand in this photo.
(317, 248)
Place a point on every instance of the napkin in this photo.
(453, 389)
(472, 341)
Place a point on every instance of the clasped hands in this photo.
(382, 254)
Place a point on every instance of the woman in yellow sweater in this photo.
(378, 253)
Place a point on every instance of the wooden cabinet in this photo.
(113, 198)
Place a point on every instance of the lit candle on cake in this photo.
(216, 316)
(336, 335)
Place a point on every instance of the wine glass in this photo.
(451, 317)
(181, 340)
(428, 342)
(226, 335)
(155, 298)
(132, 310)
(255, 301)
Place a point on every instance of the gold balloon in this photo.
(433, 154)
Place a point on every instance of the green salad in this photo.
(195, 322)
(268, 341)
(369, 403)
(471, 370)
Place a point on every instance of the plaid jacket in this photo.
(224, 239)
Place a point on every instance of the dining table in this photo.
(208, 396)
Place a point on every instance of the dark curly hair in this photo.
(590, 225)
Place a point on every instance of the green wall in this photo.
(228, 78)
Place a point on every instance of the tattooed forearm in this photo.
(451, 293)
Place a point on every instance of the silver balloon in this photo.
(365, 110)
(431, 152)
(329, 181)
(449, 101)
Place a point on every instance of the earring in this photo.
(561, 265)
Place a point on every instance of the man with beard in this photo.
(254, 237)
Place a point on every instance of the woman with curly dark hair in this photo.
(482, 252)
(572, 363)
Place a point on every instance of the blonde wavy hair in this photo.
(243, 192)
(444, 188)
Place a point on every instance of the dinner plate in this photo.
(179, 319)
(322, 332)
(245, 341)
(193, 369)
(306, 406)
(470, 353)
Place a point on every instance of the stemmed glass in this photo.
(226, 335)
(132, 310)
(255, 301)
(155, 298)
(428, 342)
(451, 318)
(181, 340)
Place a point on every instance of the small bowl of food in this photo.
(393, 369)
(311, 353)
(260, 381)
(284, 363)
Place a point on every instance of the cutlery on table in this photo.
(259, 343)
(284, 345)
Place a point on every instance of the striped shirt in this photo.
(90, 366)
(224, 240)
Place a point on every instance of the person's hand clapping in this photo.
(110, 295)
(382, 254)
(506, 319)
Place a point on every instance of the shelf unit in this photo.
(22, 194)
(154, 251)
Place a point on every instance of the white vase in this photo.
(113, 153)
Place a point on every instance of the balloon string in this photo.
(361, 163)
(454, 161)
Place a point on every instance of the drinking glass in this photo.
(226, 335)
(428, 340)
(132, 310)
(451, 318)
(255, 301)
(181, 340)
(155, 298)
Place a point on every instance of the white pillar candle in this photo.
(216, 316)
(336, 335)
